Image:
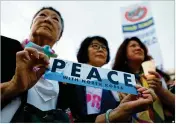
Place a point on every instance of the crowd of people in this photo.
(27, 97)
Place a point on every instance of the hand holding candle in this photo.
(152, 77)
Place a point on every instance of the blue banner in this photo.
(86, 75)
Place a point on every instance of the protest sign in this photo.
(87, 75)
(137, 20)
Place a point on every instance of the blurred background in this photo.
(88, 18)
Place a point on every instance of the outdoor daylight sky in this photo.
(88, 18)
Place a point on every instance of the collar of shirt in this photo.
(45, 89)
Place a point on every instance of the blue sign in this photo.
(87, 75)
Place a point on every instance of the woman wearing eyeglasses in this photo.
(89, 102)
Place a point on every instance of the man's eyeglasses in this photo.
(97, 46)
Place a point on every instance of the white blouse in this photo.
(44, 94)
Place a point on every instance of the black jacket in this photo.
(9, 48)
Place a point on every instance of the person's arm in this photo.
(8, 90)
(25, 75)
(116, 115)
(166, 97)
(129, 105)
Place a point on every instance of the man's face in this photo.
(47, 24)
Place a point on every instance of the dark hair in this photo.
(121, 55)
(58, 13)
(82, 55)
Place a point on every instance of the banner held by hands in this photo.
(87, 75)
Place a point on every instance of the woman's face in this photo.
(47, 24)
(97, 53)
(134, 52)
